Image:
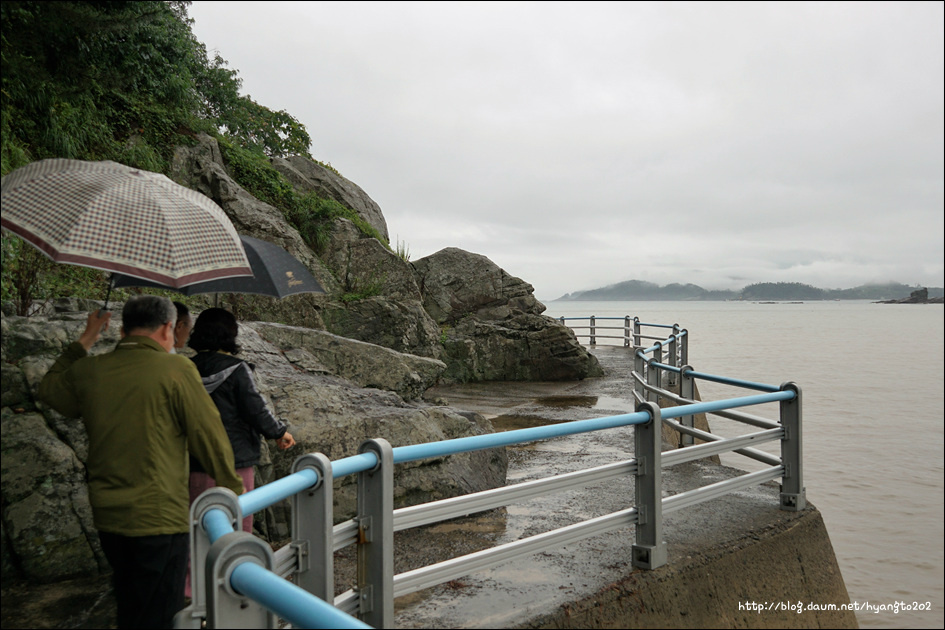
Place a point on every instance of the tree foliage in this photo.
(782, 291)
(124, 81)
(310, 214)
(121, 81)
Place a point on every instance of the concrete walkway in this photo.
(591, 583)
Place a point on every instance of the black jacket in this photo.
(230, 383)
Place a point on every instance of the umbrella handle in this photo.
(111, 284)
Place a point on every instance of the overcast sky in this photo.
(581, 144)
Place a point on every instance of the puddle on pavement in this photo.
(587, 402)
(512, 421)
(493, 522)
(567, 401)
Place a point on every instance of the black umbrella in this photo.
(275, 273)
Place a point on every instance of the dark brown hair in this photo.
(215, 329)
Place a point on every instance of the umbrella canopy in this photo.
(275, 273)
(120, 219)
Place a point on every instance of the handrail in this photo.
(424, 514)
(295, 605)
(738, 416)
(245, 567)
(418, 579)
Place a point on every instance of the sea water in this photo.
(871, 377)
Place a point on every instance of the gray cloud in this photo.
(580, 144)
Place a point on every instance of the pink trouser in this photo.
(199, 482)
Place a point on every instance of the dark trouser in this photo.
(149, 576)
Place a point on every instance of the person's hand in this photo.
(286, 441)
(96, 322)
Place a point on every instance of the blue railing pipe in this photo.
(217, 524)
(729, 403)
(271, 493)
(295, 605)
(274, 492)
(668, 368)
(353, 465)
(658, 325)
(724, 380)
(762, 387)
(417, 452)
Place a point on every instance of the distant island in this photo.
(640, 290)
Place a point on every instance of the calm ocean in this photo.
(872, 380)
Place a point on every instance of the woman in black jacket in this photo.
(230, 383)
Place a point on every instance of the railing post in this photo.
(793, 493)
(684, 348)
(626, 331)
(636, 332)
(225, 607)
(376, 537)
(673, 359)
(639, 367)
(687, 387)
(312, 522)
(593, 332)
(214, 498)
(649, 551)
(653, 373)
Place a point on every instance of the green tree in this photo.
(121, 81)
(125, 81)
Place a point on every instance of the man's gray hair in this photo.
(147, 312)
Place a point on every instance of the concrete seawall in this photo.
(781, 577)
(734, 562)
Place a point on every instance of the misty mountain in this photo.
(640, 290)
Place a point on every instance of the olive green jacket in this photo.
(143, 409)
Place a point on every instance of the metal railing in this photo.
(238, 581)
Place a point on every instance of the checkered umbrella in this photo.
(116, 218)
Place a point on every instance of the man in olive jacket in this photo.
(144, 410)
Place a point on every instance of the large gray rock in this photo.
(363, 264)
(401, 325)
(492, 327)
(47, 531)
(309, 176)
(364, 364)
(522, 347)
(456, 283)
(46, 513)
(381, 302)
